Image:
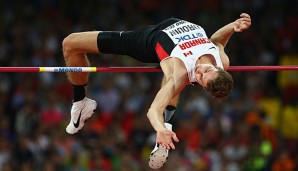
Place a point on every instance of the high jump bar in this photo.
(135, 69)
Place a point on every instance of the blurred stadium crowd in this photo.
(254, 129)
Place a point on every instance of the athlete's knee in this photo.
(69, 44)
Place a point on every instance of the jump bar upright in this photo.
(135, 69)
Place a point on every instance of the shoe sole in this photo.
(158, 158)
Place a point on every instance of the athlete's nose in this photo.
(200, 70)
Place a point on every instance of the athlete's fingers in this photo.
(159, 142)
(244, 15)
(245, 19)
(237, 28)
(175, 138)
(172, 146)
(167, 146)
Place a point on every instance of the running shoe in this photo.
(80, 112)
(159, 154)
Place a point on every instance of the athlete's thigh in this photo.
(85, 42)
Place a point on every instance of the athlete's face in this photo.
(205, 73)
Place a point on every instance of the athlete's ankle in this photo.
(79, 92)
(168, 114)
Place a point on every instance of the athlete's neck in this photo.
(206, 59)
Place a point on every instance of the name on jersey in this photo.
(181, 27)
(193, 43)
(184, 29)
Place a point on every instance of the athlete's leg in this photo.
(75, 48)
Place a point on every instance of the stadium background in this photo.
(254, 129)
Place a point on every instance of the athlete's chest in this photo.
(175, 68)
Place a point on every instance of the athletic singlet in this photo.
(191, 42)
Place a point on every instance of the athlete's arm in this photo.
(174, 100)
(223, 35)
(155, 113)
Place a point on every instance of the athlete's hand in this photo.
(165, 138)
(242, 23)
